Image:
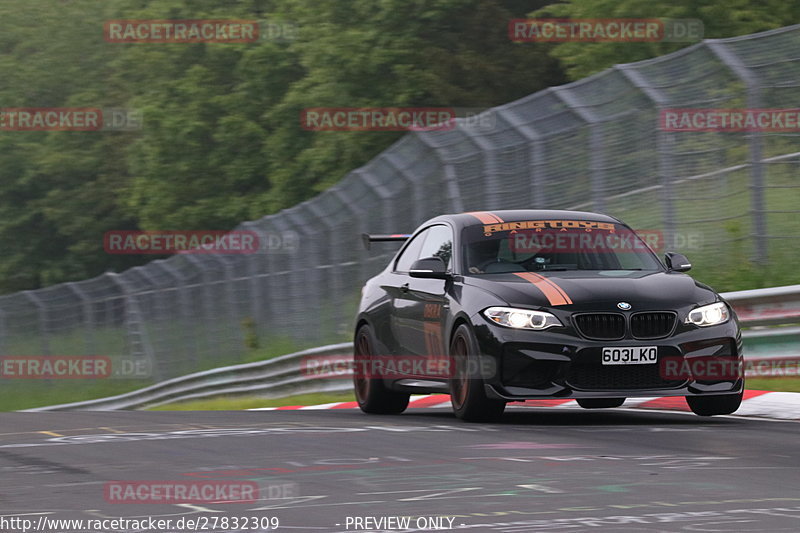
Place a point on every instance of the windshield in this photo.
(554, 245)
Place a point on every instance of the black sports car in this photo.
(494, 307)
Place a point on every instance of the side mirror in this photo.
(429, 267)
(677, 262)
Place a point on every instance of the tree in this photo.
(221, 141)
(720, 19)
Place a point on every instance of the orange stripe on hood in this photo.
(486, 217)
(554, 294)
(556, 286)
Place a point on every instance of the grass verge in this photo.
(18, 394)
(251, 402)
(21, 394)
(60, 394)
(774, 384)
(238, 404)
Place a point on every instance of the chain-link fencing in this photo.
(596, 144)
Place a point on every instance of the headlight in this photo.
(521, 318)
(709, 315)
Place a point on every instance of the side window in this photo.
(439, 243)
(411, 252)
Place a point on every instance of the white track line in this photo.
(769, 406)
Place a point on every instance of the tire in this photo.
(466, 386)
(371, 394)
(722, 404)
(600, 403)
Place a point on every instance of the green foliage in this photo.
(774, 384)
(59, 191)
(221, 140)
(251, 341)
(720, 19)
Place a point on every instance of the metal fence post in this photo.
(491, 174)
(389, 205)
(230, 293)
(453, 191)
(212, 341)
(361, 215)
(41, 316)
(538, 197)
(755, 146)
(88, 317)
(664, 142)
(230, 302)
(597, 163)
(450, 176)
(416, 189)
(134, 325)
(157, 326)
(252, 272)
(303, 288)
(183, 305)
(335, 281)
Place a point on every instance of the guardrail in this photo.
(769, 319)
(766, 316)
(761, 307)
(278, 377)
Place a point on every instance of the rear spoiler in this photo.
(367, 239)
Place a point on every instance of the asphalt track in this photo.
(537, 470)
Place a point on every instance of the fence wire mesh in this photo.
(594, 144)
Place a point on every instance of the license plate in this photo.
(637, 355)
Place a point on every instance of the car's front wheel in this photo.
(466, 385)
(600, 403)
(371, 393)
(722, 404)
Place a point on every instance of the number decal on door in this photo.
(433, 338)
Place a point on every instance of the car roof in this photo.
(472, 218)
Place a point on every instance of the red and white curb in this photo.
(756, 403)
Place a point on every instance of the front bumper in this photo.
(560, 363)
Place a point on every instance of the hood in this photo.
(596, 290)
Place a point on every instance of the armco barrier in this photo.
(766, 315)
(278, 377)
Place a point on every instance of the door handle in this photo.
(404, 287)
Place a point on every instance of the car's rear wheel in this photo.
(372, 394)
(600, 403)
(466, 385)
(723, 404)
